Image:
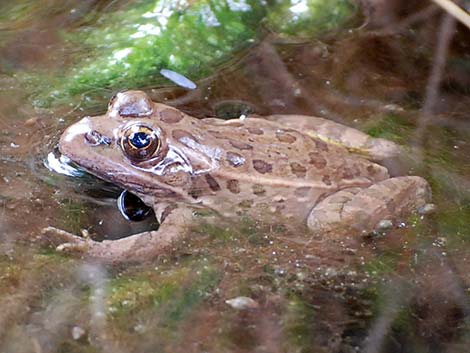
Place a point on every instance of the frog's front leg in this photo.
(358, 210)
(135, 248)
(355, 141)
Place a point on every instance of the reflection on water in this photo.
(406, 290)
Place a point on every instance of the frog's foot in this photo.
(357, 210)
(355, 141)
(63, 240)
(135, 248)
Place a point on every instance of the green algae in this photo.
(127, 47)
(132, 44)
(382, 265)
(222, 235)
(454, 222)
(173, 294)
(246, 228)
(392, 127)
(299, 320)
(72, 216)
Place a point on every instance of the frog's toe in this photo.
(55, 236)
(327, 215)
(64, 241)
(73, 248)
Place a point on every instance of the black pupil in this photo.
(140, 139)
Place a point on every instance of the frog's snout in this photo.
(77, 130)
(77, 137)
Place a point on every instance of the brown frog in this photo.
(295, 168)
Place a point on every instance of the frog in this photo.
(296, 168)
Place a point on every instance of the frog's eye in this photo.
(139, 142)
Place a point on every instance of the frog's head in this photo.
(139, 145)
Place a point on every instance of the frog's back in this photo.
(263, 166)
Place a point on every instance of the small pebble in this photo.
(385, 224)
(279, 271)
(139, 328)
(77, 333)
(427, 209)
(242, 303)
(85, 233)
(349, 251)
(31, 121)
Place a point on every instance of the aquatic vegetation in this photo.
(299, 320)
(391, 127)
(410, 282)
(168, 297)
(129, 47)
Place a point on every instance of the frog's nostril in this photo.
(94, 138)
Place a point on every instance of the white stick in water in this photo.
(455, 11)
(177, 78)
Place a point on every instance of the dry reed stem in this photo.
(452, 9)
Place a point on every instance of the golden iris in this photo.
(139, 142)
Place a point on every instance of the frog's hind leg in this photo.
(360, 211)
(135, 248)
(355, 141)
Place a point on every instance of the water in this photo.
(406, 290)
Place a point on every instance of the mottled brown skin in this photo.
(262, 167)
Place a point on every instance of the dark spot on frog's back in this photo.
(326, 179)
(246, 204)
(213, 184)
(258, 190)
(198, 185)
(375, 170)
(298, 169)
(235, 159)
(283, 136)
(195, 193)
(255, 131)
(215, 133)
(262, 167)
(371, 170)
(321, 145)
(317, 160)
(241, 145)
(348, 174)
(233, 186)
(171, 116)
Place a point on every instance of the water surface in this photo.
(403, 291)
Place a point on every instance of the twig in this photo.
(445, 34)
(406, 23)
(455, 11)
